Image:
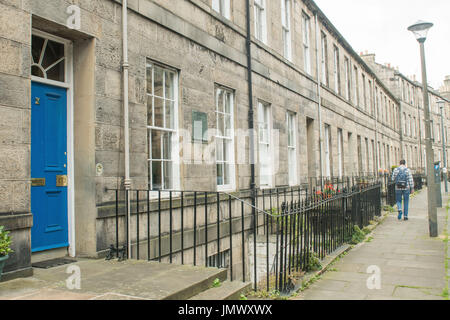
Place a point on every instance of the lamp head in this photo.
(420, 30)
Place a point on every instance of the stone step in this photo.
(228, 290)
(198, 285)
(113, 280)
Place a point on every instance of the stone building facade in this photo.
(320, 109)
(409, 92)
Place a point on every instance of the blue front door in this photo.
(48, 167)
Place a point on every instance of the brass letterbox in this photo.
(37, 182)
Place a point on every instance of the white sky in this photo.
(380, 27)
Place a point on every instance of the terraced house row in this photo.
(207, 95)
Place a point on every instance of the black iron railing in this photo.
(268, 244)
(389, 186)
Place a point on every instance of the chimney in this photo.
(369, 57)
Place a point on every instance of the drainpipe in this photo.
(248, 43)
(125, 67)
(250, 103)
(319, 110)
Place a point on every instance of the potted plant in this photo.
(5, 243)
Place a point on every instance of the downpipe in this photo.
(125, 68)
(319, 99)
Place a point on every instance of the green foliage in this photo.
(313, 262)
(274, 211)
(357, 236)
(445, 293)
(5, 242)
(264, 294)
(332, 269)
(216, 283)
(366, 230)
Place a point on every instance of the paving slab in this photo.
(411, 264)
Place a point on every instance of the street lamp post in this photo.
(441, 104)
(420, 30)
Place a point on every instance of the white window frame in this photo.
(265, 144)
(363, 79)
(173, 131)
(324, 56)
(327, 150)
(231, 186)
(337, 85)
(340, 140)
(286, 28)
(306, 35)
(260, 20)
(347, 77)
(222, 7)
(291, 119)
(356, 85)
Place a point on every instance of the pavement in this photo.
(89, 279)
(400, 261)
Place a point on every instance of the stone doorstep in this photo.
(178, 284)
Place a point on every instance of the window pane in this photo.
(226, 156)
(156, 144)
(169, 114)
(57, 72)
(167, 145)
(36, 71)
(36, 48)
(149, 79)
(220, 100)
(219, 149)
(228, 131)
(220, 174)
(167, 174)
(228, 102)
(220, 124)
(159, 112)
(169, 83)
(226, 173)
(158, 81)
(53, 52)
(156, 175)
(149, 110)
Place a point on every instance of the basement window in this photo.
(219, 260)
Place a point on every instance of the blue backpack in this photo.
(401, 181)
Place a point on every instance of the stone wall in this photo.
(15, 122)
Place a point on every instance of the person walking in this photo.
(404, 185)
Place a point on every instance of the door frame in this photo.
(68, 84)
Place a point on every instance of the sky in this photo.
(380, 27)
